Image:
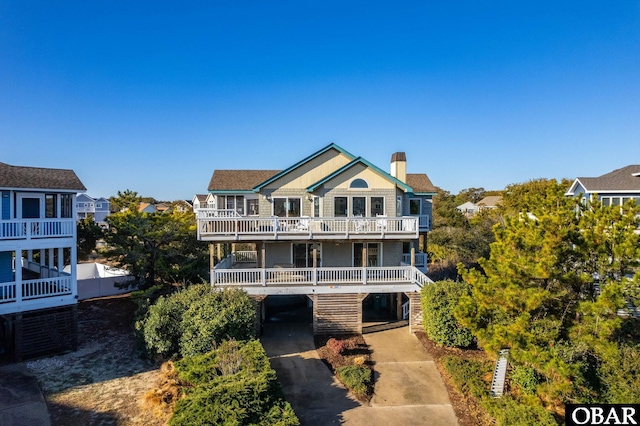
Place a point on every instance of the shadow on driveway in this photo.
(316, 396)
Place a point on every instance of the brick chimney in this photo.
(399, 166)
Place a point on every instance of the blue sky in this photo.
(153, 96)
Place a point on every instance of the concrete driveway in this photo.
(315, 394)
(409, 389)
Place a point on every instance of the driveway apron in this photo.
(314, 393)
(409, 389)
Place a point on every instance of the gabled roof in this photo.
(200, 197)
(421, 184)
(257, 188)
(468, 205)
(82, 197)
(39, 178)
(238, 180)
(626, 179)
(490, 201)
(359, 160)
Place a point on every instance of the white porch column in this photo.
(413, 255)
(60, 259)
(18, 277)
(50, 263)
(73, 261)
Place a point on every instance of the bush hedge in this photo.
(438, 302)
(195, 320)
(505, 411)
(357, 378)
(232, 385)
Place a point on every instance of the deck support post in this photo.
(413, 255)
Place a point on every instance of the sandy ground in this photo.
(104, 381)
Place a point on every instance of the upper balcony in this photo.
(225, 225)
(27, 229)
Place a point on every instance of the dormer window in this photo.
(359, 184)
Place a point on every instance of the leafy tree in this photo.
(535, 293)
(88, 233)
(445, 213)
(470, 194)
(127, 200)
(156, 247)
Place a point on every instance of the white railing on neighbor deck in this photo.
(318, 276)
(421, 259)
(213, 224)
(35, 289)
(245, 256)
(36, 228)
(205, 213)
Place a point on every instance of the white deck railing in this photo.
(36, 228)
(245, 256)
(213, 226)
(35, 289)
(318, 276)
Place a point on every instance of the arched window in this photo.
(359, 184)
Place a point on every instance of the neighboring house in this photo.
(489, 202)
(612, 189)
(182, 206)
(147, 208)
(200, 201)
(333, 227)
(468, 208)
(96, 208)
(38, 300)
(162, 207)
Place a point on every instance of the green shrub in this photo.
(506, 411)
(247, 394)
(525, 378)
(509, 412)
(438, 302)
(194, 320)
(620, 375)
(355, 377)
(467, 375)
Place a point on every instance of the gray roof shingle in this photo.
(238, 180)
(420, 182)
(39, 178)
(618, 180)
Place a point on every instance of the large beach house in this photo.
(38, 300)
(332, 227)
